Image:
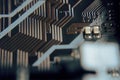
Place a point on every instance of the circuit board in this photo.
(40, 38)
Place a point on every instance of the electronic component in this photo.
(87, 32)
(92, 32)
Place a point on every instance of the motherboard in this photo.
(59, 40)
